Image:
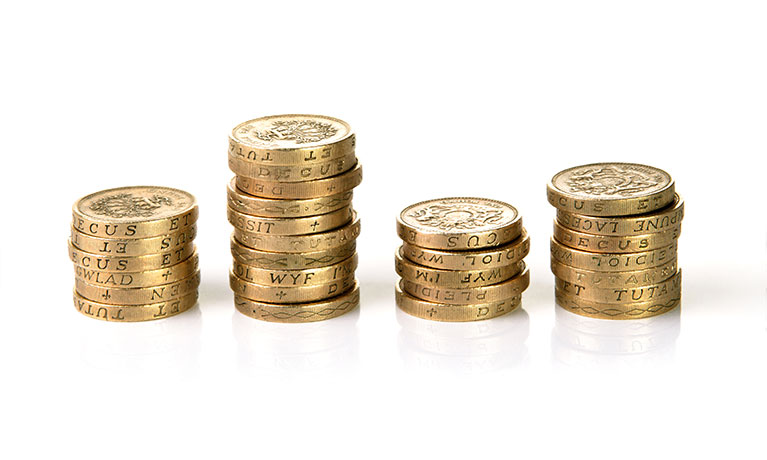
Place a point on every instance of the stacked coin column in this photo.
(134, 254)
(461, 259)
(294, 241)
(614, 250)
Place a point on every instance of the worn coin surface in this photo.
(118, 263)
(611, 189)
(293, 139)
(301, 190)
(133, 313)
(466, 296)
(133, 247)
(306, 277)
(612, 262)
(301, 173)
(290, 225)
(454, 278)
(300, 312)
(139, 279)
(657, 221)
(606, 280)
(268, 207)
(289, 294)
(137, 296)
(134, 212)
(502, 256)
(300, 243)
(291, 260)
(454, 313)
(636, 310)
(615, 244)
(623, 295)
(458, 224)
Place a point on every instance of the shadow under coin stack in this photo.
(294, 241)
(134, 254)
(614, 250)
(461, 259)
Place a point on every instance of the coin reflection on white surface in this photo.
(277, 348)
(583, 342)
(468, 347)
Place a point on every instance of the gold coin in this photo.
(459, 224)
(300, 312)
(112, 263)
(454, 278)
(454, 313)
(282, 294)
(301, 243)
(621, 296)
(467, 296)
(469, 260)
(291, 140)
(301, 190)
(134, 212)
(615, 244)
(290, 225)
(138, 296)
(132, 248)
(616, 279)
(301, 173)
(139, 279)
(291, 261)
(307, 277)
(657, 221)
(611, 189)
(132, 313)
(612, 262)
(635, 310)
(268, 207)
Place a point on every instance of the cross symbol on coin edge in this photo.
(106, 295)
(431, 312)
(281, 294)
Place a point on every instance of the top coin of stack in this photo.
(614, 250)
(290, 204)
(461, 259)
(134, 255)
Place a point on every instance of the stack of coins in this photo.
(614, 250)
(461, 259)
(290, 204)
(134, 254)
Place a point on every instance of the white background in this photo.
(447, 98)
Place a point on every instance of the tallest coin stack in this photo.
(295, 229)
(614, 250)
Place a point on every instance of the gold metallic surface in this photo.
(133, 247)
(290, 261)
(658, 221)
(468, 296)
(137, 296)
(454, 313)
(634, 310)
(139, 279)
(306, 277)
(612, 262)
(622, 296)
(454, 278)
(119, 264)
(301, 173)
(267, 207)
(291, 226)
(459, 224)
(300, 312)
(616, 279)
(301, 190)
(616, 244)
(284, 294)
(469, 260)
(301, 243)
(134, 313)
(611, 189)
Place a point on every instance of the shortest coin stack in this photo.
(134, 254)
(461, 259)
(614, 250)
